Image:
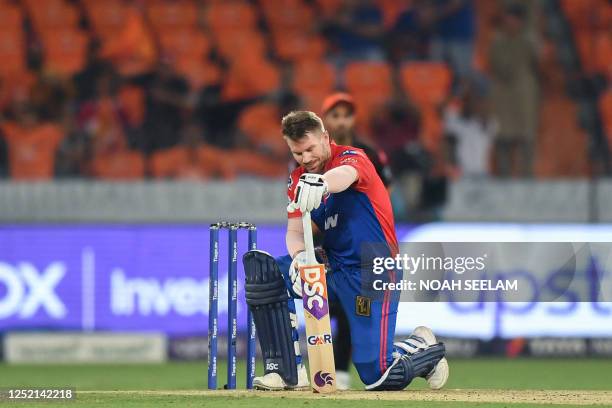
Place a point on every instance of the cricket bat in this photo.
(316, 314)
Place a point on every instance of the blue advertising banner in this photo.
(155, 278)
(149, 278)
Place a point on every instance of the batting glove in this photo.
(309, 192)
(294, 272)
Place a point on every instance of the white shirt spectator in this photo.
(474, 137)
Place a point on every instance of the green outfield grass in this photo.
(477, 374)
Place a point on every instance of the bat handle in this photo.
(308, 241)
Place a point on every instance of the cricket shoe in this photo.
(274, 382)
(421, 338)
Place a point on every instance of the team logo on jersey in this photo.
(289, 182)
(347, 160)
(331, 221)
(348, 153)
(363, 306)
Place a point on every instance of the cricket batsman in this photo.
(349, 204)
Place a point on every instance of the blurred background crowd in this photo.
(195, 89)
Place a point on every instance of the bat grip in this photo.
(308, 241)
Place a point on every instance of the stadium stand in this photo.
(238, 57)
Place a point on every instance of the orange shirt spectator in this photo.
(31, 149)
(131, 49)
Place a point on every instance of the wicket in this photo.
(232, 301)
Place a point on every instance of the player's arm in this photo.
(340, 178)
(295, 236)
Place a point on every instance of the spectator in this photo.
(31, 144)
(514, 75)
(167, 104)
(50, 96)
(396, 128)
(473, 129)
(132, 49)
(357, 30)
(105, 121)
(74, 153)
(339, 119)
(411, 34)
(455, 32)
(86, 80)
(218, 117)
(101, 118)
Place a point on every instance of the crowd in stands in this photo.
(128, 89)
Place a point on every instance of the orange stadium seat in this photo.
(588, 15)
(14, 86)
(603, 53)
(368, 77)
(578, 12)
(31, 152)
(179, 162)
(254, 164)
(315, 74)
(12, 51)
(370, 84)
(107, 17)
(261, 124)
(313, 81)
(296, 47)
(64, 50)
(171, 15)
(427, 83)
(199, 73)
(241, 44)
(267, 5)
(329, 7)
(11, 17)
(223, 16)
(52, 15)
(605, 108)
(184, 43)
(121, 165)
(313, 99)
(293, 17)
(250, 78)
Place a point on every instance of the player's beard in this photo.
(318, 167)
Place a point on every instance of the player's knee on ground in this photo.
(267, 298)
(406, 367)
(369, 372)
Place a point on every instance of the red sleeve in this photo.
(357, 159)
(291, 183)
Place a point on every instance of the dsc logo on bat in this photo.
(314, 286)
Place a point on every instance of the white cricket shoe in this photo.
(274, 382)
(343, 380)
(439, 375)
